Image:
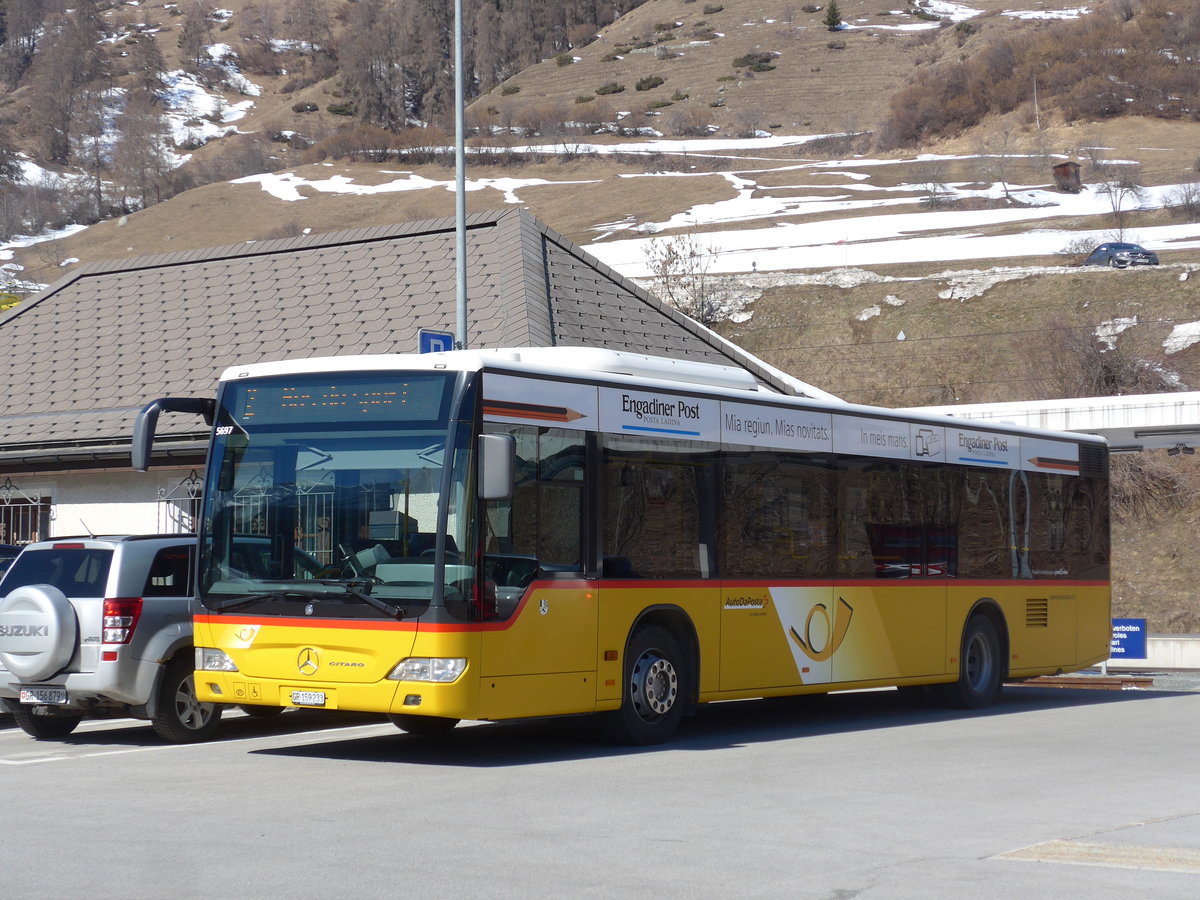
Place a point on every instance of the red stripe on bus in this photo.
(291, 622)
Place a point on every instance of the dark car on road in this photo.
(1121, 256)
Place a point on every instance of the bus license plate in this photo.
(308, 698)
(44, 695)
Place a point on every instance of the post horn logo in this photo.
(835, 629)
(308, 662)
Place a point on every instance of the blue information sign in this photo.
(1128, 639)
(430, 341)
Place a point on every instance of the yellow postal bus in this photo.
(540, 532)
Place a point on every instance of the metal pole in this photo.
(460, 193)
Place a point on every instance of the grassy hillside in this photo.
(809, 80)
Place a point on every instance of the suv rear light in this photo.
(120, 619)
(68, 546)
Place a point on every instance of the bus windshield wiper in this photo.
(364, 596)
(226, 603)
(391, 609)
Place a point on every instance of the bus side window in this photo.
(1065, 538)
(777, 516)
(658, 508)
(985, 538)
(898, 519)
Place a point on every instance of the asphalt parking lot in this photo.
(1050, 793)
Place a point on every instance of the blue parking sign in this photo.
(1128, 639)
(430, 341)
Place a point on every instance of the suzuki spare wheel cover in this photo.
(37, 631)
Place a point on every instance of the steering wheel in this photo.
(452, 556)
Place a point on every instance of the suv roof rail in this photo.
(113, 537)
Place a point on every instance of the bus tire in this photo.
(430, 726)
(980, 668)
(47, 727)
(655, 685)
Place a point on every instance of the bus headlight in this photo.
(211, 660)
(425, 668)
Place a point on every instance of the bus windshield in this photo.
(343, 493)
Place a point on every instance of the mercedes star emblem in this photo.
(308, 662)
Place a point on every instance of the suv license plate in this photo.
(307, 698)
(53, 696)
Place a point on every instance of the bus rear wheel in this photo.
(655, 688)
(980, 667)
(426, 725)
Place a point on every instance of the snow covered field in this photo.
(865, 231)
(848, 221)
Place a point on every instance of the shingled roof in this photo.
(82, 357)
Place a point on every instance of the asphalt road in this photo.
(1053, 793)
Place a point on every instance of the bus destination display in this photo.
(362, 399)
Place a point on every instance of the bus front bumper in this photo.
(451, 700)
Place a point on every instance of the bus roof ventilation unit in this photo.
(619, 362)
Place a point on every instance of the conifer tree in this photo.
(23, 27)
(833, 16)
(71, 56)
(140, 164)
(10, 164)
(194, 37)
(146, 65)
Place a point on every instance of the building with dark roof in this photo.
(81, 358)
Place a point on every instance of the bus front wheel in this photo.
(654, 691)
(980, 668)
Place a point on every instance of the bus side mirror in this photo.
(147, 421)
(497, 466)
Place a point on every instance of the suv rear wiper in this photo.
(228, 603)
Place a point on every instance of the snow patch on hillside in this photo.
(286, 185)
(968, 285)
(1108, 332)
(1048, 14)
(1182, 337)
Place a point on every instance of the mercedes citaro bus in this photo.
(553, 531)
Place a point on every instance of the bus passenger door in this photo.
(780, 617)
(893, 625)
(539, 642)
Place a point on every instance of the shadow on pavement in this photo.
(715, 726)
(235, 725)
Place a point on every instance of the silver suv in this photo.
(102, 626)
